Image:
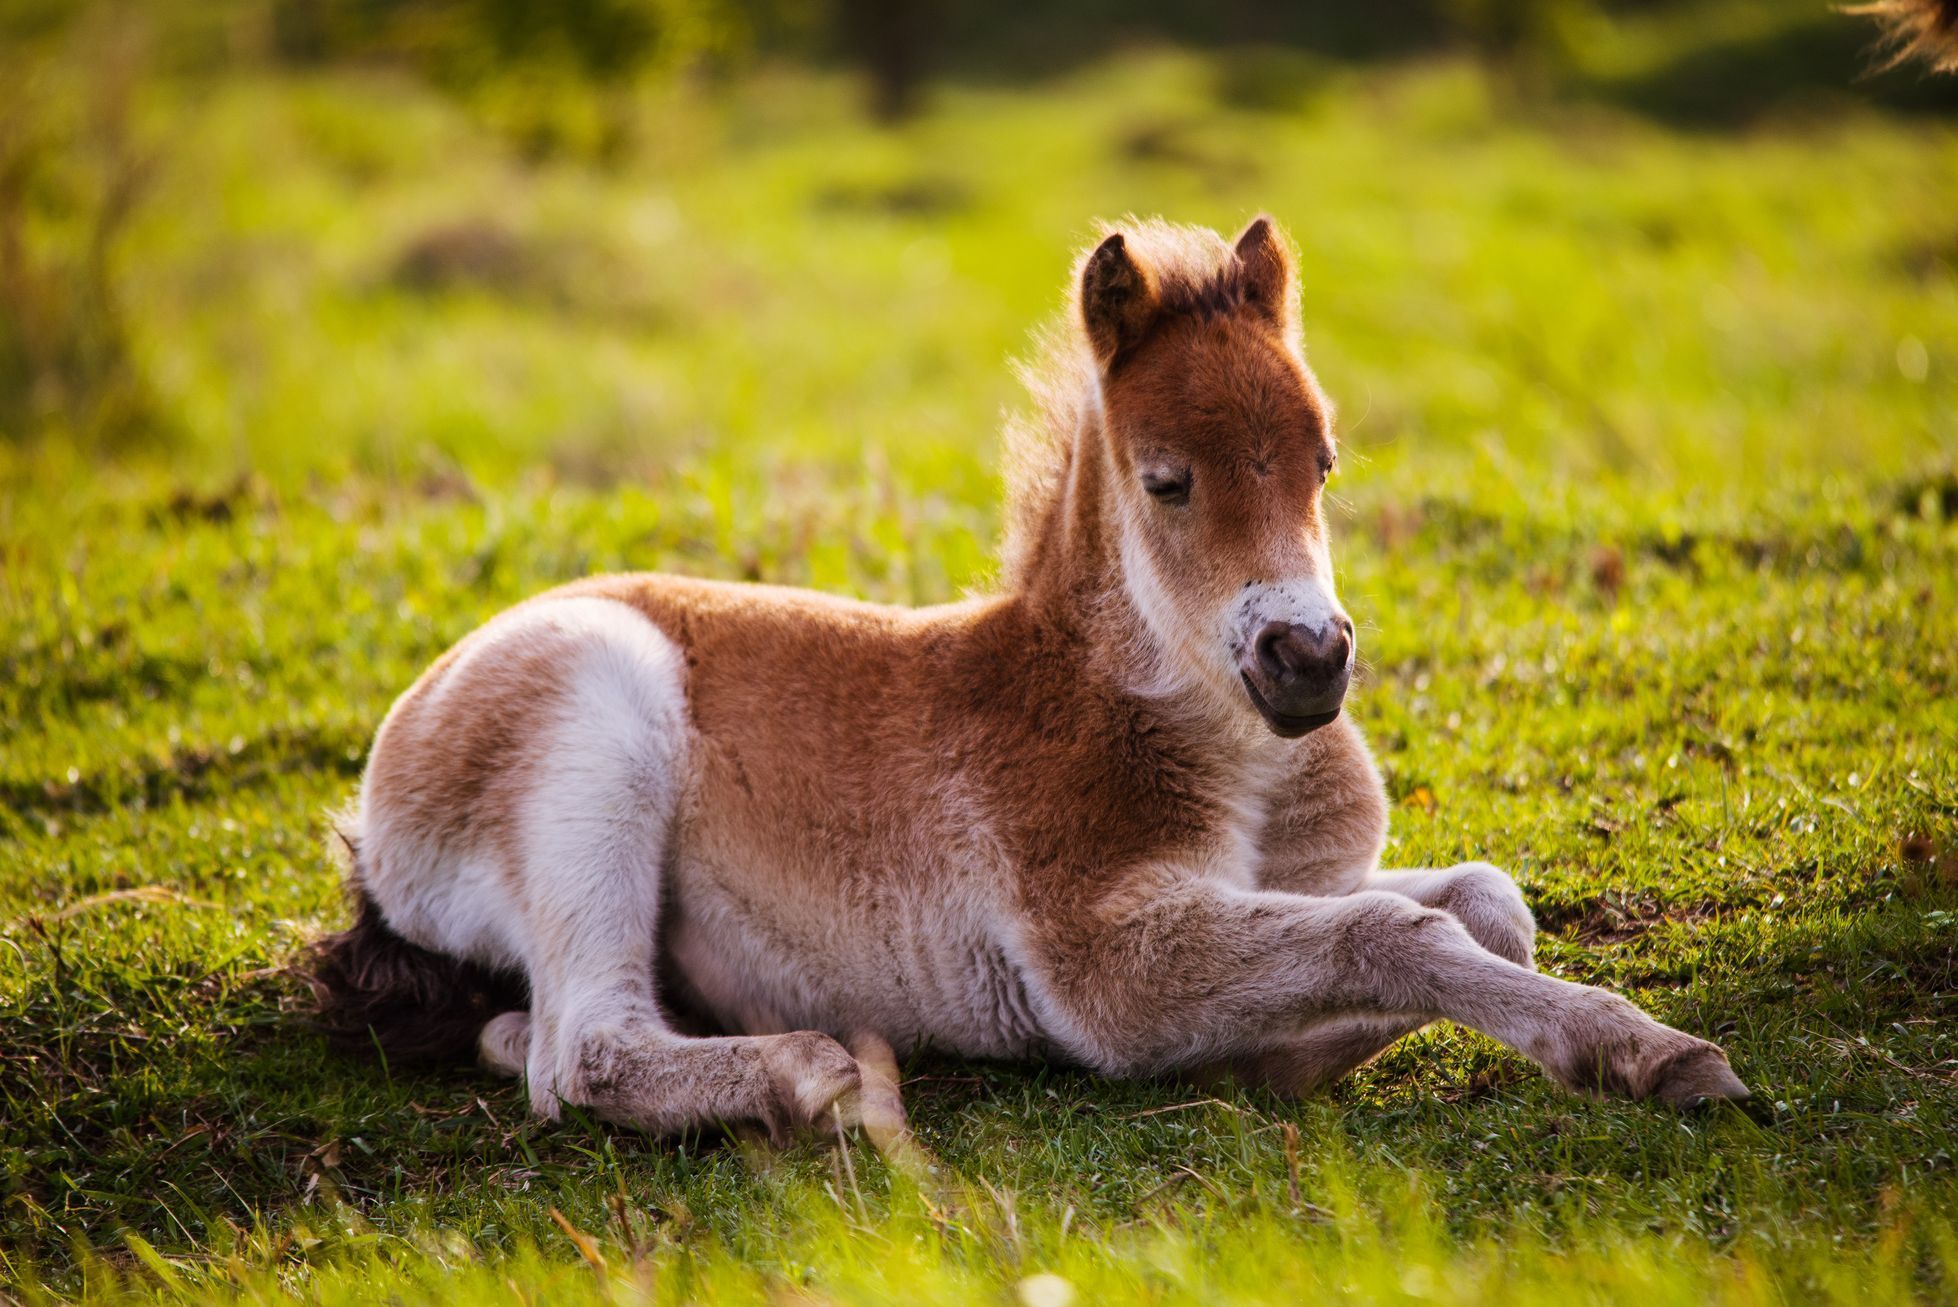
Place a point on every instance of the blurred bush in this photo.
(71, 176)
(91, 94)
(552, 77)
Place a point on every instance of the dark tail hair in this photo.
(373, 989)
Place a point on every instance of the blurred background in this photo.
(774, 248)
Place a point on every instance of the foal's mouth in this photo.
(1286, 725)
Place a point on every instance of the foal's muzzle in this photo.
(1296, 675)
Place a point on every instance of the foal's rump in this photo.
(519, 815)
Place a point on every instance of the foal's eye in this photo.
(1168, 487)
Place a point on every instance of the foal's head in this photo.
(1218, 444)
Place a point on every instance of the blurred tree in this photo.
(1526, 41)
(462, 41)
(889, 39)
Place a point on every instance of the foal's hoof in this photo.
(1697, 1078)
(815, 1080)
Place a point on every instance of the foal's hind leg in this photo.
(1489, 906)
(592, 840)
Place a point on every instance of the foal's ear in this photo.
(1118, 300)
(1265, 267)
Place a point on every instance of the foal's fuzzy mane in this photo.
(1195, 271)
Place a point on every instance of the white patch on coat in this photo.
(1166, 660)
(577, 914)
(595, 827)
(1306, 601)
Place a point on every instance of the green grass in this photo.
(1646, 512)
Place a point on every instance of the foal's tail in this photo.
(372, 989)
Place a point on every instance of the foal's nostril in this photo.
(1287, 653)
(1280, 652)
(1297, 674)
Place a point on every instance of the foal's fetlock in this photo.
(815, 1081)
(1696, 1076)
(1636, 1057)
(504, 1045)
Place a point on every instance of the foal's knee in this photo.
(1383, 949)
(1487, 902)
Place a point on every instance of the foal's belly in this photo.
(921, 964)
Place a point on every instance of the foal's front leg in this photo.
(1481, 897)
(1179, 974)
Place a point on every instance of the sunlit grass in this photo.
(1645, 512)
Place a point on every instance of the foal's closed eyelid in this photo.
(1171, 488)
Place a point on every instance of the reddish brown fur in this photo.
(487, 736)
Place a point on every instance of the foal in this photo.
(657, 845)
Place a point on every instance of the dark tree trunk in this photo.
(889, 39)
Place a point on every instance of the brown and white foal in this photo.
(664, 847)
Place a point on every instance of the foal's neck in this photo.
(1072, 587)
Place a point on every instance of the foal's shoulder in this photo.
(1329, 810)
(1331, 768)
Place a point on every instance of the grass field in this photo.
(1648, 513)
